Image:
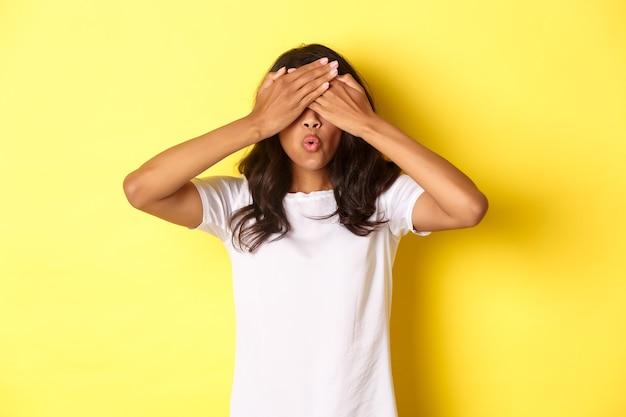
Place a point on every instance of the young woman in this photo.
(311, 227)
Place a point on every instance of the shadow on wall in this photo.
(517, 222)
(410, 328)
(514, 222)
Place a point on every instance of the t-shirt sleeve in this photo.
(221, 196)
(397, 205)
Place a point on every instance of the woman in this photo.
(311, 227)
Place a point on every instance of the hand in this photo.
(284, 95)
(344, 104)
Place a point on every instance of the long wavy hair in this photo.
(358, 171)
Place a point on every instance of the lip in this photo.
(311, 143)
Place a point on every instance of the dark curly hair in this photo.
(359, 173)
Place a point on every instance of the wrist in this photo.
(371, 126)
(257, 129)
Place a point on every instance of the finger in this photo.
(316, 107)
(307, 82)
(311, 80)
(325, 110)
(308, 67)
(276, 75)
(348, 80)
(316, 70)
(271, 77)
(314, 94)
(315, 64)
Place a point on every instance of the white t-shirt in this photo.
(312, 309)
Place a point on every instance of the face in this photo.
(310, 142)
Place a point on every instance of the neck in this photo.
(311, 181)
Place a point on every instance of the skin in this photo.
(296, 103)
(451, 200)
(308, 169)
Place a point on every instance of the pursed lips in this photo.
(311, 143)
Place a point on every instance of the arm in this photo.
(451, 200)
(162, 186)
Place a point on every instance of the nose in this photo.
(311, 120)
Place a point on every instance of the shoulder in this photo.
(397, 202)
(221, 184)
(231, 192)
(403, 188)
(221, 196)
(229, 182)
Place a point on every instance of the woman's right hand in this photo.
(162, 187)
(285, 94)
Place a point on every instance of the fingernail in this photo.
(333, 72)
(290, 70)
(326, 84)
(324, 61)
(334, 64)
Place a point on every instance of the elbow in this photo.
(133, 190)
(476, 209)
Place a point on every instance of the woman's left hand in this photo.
(344, 105)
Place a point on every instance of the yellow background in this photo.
(108, 312)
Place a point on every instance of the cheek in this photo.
(336, 137)
(285, 137)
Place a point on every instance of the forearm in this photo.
(167, 172)
(452, 190)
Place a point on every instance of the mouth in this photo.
(311, 143)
